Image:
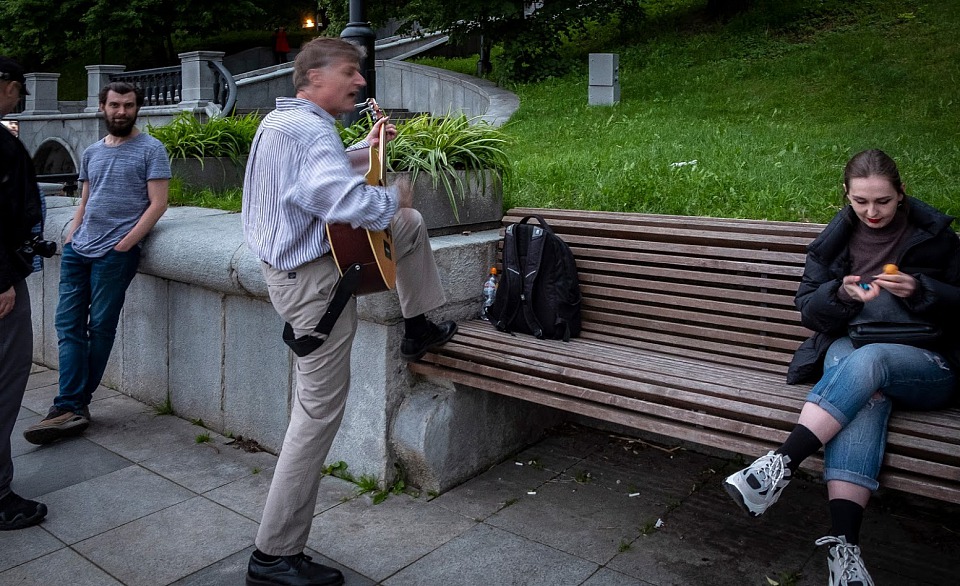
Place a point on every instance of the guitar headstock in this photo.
(370, 106)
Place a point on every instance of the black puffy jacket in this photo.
(931, 254)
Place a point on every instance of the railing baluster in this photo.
(164, 85)
(160, 86)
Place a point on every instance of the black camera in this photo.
(37, 246)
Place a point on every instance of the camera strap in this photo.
(343, 290)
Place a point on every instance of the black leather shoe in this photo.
(17, 512)
(413, 349)
(291, 570)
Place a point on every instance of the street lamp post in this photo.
(359, 32)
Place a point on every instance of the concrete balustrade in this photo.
(420, 88)
(198, 330)
(56, 133)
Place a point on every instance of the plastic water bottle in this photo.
(489, 294)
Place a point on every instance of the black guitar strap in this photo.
(343, 290)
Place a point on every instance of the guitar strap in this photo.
(343, 290)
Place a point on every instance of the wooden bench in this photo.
(688, 327)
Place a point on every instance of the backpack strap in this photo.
(511, 283)
(530, 272)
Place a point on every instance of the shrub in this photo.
(441, 146)
(221, 136)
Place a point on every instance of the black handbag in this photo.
(885, 320)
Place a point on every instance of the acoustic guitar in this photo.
(371, 249)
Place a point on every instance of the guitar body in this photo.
(372, 249)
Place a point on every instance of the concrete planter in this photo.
(217, 173)
(480, 209)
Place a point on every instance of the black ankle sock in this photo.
(414, 327)
(266, 558)
(846, 517)
(800, 444)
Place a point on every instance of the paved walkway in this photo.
(138, 501)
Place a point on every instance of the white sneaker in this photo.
(758, 486)
(846, 565)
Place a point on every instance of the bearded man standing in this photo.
(125, 179)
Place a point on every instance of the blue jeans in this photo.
(906, 377)
(92, 291)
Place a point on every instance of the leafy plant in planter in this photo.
(442, 147)
(221, 136)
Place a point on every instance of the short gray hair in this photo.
(321, 52)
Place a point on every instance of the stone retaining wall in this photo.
(197, 329)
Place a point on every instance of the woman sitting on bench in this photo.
(881, 289)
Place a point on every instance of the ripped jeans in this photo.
(905, 376)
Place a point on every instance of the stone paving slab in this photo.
(379, 540)
(588, 510)
(581, 519)
(24, 545)
(170, 544)
(707, 539)
(43, 378)
(562, 449)
(98, 505)
(605, 577)
(248, 495)
(487, 555)
(63, 566)
(501, 486)
(136, 431)
(39, 398)
(55, 466)
(137, 501)
(205, 466)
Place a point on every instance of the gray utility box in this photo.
(604, 79)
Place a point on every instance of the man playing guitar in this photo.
(298, 180)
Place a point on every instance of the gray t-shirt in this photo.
(118, 178)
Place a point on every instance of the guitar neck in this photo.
(377, 170)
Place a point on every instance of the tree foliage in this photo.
(44, 34)
(144, 32)
(535, 36)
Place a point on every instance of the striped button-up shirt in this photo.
(298, 178)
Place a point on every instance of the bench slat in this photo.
(891, 477)
(602, 284)
(689, 340)
(593, 246)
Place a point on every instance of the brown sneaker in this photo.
(57, 424)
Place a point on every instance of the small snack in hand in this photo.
(890, 269)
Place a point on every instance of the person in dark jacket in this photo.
(885, 262)
(20, 211)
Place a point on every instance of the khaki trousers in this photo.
(323, 377)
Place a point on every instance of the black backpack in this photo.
(539, 292)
